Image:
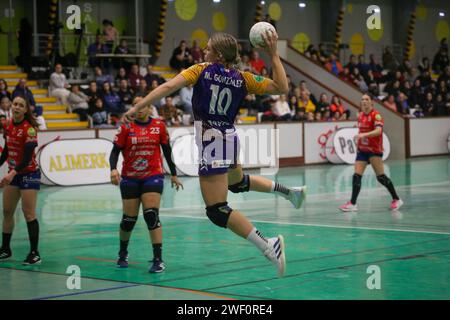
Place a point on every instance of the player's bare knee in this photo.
(219, 214)
(242, 186)
(151, 217)
(127, 224)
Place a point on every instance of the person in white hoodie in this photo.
(78, 102)
(58, 85)
(280, 108)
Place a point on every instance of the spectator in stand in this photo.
(93, 93)
(362, 65)
(441, 60)
(5, 107)
(249, 104)
(112, 103)
(181, 57)
(310, 117)
(125, 93)
(197, 52)
(441, 106)
(58, 85)
(406, 88)
(122, 48)
(23, 90)
(169, 113)
(390, 103)
(417, 94)
(370, 78)
(425, 79)
(429, 106)
(101, 78)
(150, 76)
(256, 62)
(360, 83)
(280, 109)
(291, 85)
(338, 107)
(300, 114)
(393, 88)
(100, 118)
(37, 113)
(78, 102)
(265, 73)
(4, 89)
(346, 75)
(121, 75)
(323, 104)
(96, 48)
(310, 51)
(3, 123)
(318, 117)
(424, 65)
(303, 87)
(445, 76)
(375, 67)
(135, 77)
(142, 89)
(322, 54)
(334, 66)
(110, 34)
(388, 59)
(352, 64)
(442, 88)
(186, 101)
(374, 89)
(305, 102)
(293, 104)
(402, 104)
(244, 64)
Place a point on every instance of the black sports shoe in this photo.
(158, 266)
(32, 258)
(122, 262)
(5, 253)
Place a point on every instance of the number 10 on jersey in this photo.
(217, 100)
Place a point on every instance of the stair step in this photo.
(14, 76)
(9, 68)
(248, 119)
(46, 100)
(61, 116)
(31, 83)
(168, 75)
(162, 68)
(56, 107)
(68, 125)
(33, 91)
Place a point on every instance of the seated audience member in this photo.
(249, 103)
(440, 60)
(352, 64)
(100, 118)
(197, 52)
(293, 104)
(169, 113)
(23, 91)
(3, 123)
(4, 89)
(78, 102)
(310, 117)
(181, 57)
(186, 101)
(121, 75)
(101, 78)
(245, 65)
(390, 103)
(323, 103)
(142, 89)
(5, 107)
(303, 87)
(338, 106)
(122, 48)
(125, 93)
(92, 93)
(37, 113)
(58, 85)
(112, 102)
(150, 76)
(305, 102)
(96, 48)
(300, 114)
(256, 62)
(441, 106)
(362, 65)
(281, 110)
(135, 77)
(333, 65)
(327, 116)
(402, 104)
(429, 106)
(317, 117)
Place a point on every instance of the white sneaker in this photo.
(349, 207)
(396, 204)
(275, 253)
(297, 196)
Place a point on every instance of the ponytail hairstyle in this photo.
(28, 114)
(226, 47)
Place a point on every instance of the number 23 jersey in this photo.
(140, 144)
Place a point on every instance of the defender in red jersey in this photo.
(370, 151)
(142, 179)
(23, 178)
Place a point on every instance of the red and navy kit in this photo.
(372, 146)
(140, 145)
(19, 152)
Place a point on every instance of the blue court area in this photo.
(328, 252)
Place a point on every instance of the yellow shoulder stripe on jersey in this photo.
(193, 73)
(255, 84)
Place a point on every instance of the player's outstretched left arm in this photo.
(157, 94)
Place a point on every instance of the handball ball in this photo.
(257, 31)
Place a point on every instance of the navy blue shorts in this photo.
(365, 156)
(27, 181)
(218, 153)
(134, 188)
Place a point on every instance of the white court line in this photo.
(318, 225)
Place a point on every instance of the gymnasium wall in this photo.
(429, 136)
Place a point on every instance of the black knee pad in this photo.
(151, 217)
(357, 180)
(128, 223)
(219, 214)
(243, 186)
(383, 179)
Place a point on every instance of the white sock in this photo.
(257, 239)
(279, 190)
